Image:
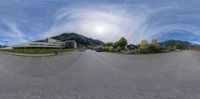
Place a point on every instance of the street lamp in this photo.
(4, 43)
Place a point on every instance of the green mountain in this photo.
(173, 42)
(81, 40)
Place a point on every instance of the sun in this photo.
(99, 30)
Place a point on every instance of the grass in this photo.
(37, 51)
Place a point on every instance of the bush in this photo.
(133, 52)
(56, 53)
(106, 48)
(144, 51)
(99, 49)
(116, 44)
(154, 49)
(111, 49)
(118, 49)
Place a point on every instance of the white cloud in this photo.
(134, 19)
(14, 32)
(117, 21)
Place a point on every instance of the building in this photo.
(131, 47)
(193, 47)
(70, 43)
(47, 44)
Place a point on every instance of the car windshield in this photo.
(99, 49)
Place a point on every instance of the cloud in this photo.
(13, 32)
(134, 19)
(117, 20)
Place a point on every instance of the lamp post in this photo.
(4, 43)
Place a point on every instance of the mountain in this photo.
(178, 35)
(81, 40)
(2, 46)
(173, 42)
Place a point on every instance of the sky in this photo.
(106, 20)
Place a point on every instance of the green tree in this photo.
(178, 46)
(155, 46)
(106, 48)
(122, 42)
(155, 43)
(144, 47)
(109, 44)
(117, 49)
(111, 49)
(116, 44)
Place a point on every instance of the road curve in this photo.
(92, 75)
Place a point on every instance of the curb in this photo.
(29, 55)
(34, 55)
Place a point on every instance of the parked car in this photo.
(82, 49)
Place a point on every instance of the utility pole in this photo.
(6, 43)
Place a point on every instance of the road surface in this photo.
(92, 75)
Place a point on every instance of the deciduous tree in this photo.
(144, 47)
(155, 43)
(178, 46)
(122, 42)
(155, 46)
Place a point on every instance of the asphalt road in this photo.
(92, 75)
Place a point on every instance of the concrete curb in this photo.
(29, 55)
(35, 55)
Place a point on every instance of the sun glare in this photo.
(99, 30)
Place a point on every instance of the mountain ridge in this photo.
(172, 42)
(80, 39)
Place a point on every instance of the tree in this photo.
(111, 49)
(178, 46)
(155, 43)
(116, 44)
(122, 42)
(155, 46)
(117, 49)
(144, 47)
(109, 44)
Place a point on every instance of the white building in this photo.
(47, 44)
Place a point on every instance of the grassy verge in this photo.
(37, 51)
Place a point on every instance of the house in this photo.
(131, 47)
(47, 44)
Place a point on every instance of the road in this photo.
(93, 75)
